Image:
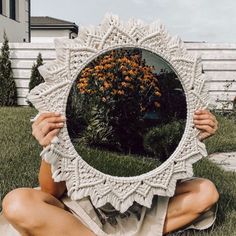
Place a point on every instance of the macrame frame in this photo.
(72, 56)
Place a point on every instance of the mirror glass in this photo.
(126, 112)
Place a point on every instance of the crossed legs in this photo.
(191, 199)
(36, 213)
(33, 212)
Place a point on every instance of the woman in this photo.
(35, 212)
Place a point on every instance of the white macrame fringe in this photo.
(49, 153)
(83, 180)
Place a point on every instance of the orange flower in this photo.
(82, 80)
(107, 66)
(127, 78)
(114, 91)
(101, 76)
(81, 90)
(121, 92)
(106, 85)
(131, 72)
(157, 93)
(124, 84)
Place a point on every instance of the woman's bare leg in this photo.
(33, 212)
(191, 199)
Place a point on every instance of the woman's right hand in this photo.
(47, 126)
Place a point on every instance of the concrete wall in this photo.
(16, 30)
(219, 62)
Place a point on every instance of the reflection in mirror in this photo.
(126, 112)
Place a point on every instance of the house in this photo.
(45, 29)
(15, 20)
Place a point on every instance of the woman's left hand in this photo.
(206, 122)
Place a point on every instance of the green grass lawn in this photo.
(119, 164)
(19, 163)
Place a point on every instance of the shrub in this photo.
(98, 132)
(124, 88)
(162, 140)
(8, 92)
(118, 97)
(76, 113)
(36, 78)
(173, 100)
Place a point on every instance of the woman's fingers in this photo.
(46, 126)
(204, 117)
(209, 122)
(204, 114)
(46, 115)
(50, 126)
(206, 122)
(51, 123)
(206, 128)
(37, 134)
(47, 139)
(203, 135)
(55, 119)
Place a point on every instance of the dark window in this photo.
(0, 6)
(13, 9)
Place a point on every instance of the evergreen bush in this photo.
(8, 92)
(161, 141)
(36, 78)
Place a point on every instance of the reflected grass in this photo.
(116, 164)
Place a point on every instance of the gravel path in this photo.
(227, 160)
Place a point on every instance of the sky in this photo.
(192, 20)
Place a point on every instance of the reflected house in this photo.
(15, 20)
(45, 29)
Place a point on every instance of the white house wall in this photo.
(47, 36)
(16, 30)
(219, 62)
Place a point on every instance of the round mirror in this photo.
(129, 135)
(126, 112)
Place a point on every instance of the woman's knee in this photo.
(18, 205)
(206, 194)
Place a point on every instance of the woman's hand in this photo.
(46, 127)
(206, 122)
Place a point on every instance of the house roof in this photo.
(46, 22)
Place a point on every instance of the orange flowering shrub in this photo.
(120, 75)
(122, 89)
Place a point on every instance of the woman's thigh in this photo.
(192, 197)
(40, 213)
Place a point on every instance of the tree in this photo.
(8, 92)
(36, 78)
